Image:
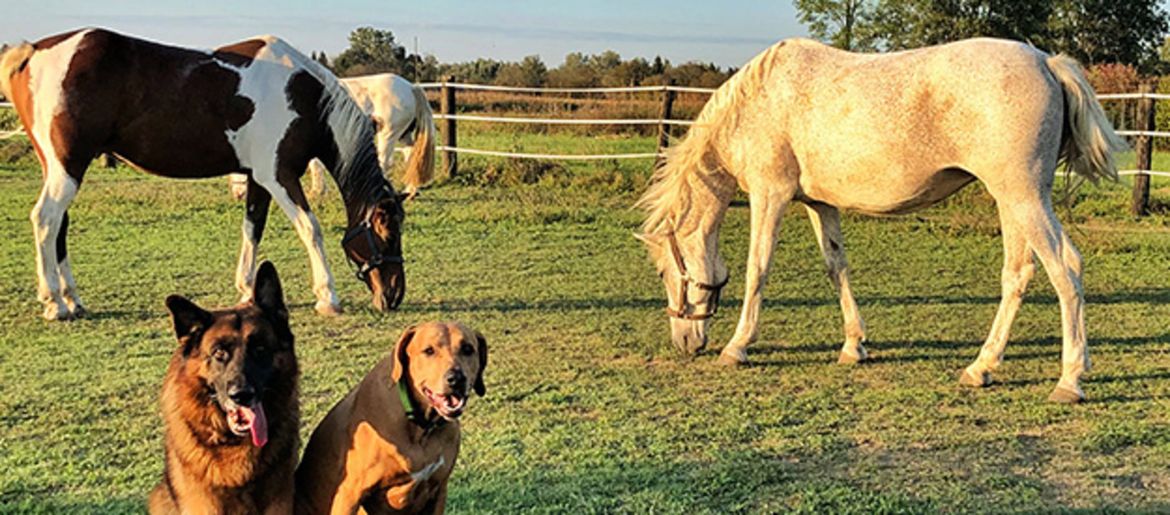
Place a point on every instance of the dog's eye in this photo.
(429, 351)
(220, 355)
(466, 349)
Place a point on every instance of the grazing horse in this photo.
(401, 116)
(880, 134)
(258, 106)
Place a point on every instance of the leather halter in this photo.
(365, 229)
(685, 311)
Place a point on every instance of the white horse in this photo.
(401, 116)
(880, 134)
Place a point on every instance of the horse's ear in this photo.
(267, 292)
(189, 321)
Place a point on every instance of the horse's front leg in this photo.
(767, 208)
(291, 199)
(255, 218)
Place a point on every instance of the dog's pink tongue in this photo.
(257, 422)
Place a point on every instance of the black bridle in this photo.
(365, 230)
(685, 311)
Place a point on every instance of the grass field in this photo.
(588, 408)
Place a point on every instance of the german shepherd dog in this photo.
(229, 402)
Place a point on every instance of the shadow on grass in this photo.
(737, 483)
(1147, 296)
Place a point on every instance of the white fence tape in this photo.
(560, 121)
(519, 89)
(569, 157)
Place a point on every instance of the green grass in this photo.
(588, 408)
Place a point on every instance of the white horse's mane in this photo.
(697, 154)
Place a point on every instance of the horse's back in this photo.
(916, 125)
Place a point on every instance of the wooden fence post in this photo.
(663, 115)
(447, 107)
(1147, 111)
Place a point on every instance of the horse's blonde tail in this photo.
(1089, 144)
(11, 60)
(420, 168)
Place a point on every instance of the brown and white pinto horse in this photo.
(259, 107)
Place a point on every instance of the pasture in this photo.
(588, 407)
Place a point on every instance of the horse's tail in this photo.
(420, 168)
(1089, 141)
(11, 60)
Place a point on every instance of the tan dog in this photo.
(391, 444)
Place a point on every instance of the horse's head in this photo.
(694, 276)
(374, 245)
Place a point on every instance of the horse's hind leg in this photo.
(1017, 271)
(47, 218)
(65, 269)
(826, 222)
(317, 183)
(1062, 261)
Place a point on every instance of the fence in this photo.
(1144, 132)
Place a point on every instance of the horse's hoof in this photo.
(975, 380)
(56, 312)
(79, 311)
(849, 358)
(733, 358)
(1064, 395)
(328, 309)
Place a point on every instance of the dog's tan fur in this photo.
(366, 453)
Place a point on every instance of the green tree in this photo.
(902, 24)
(846, 24)
(371, 51)
(1109, 31)
(529, 72)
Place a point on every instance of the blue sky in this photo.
(728, 32)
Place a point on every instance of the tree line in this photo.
(376, 51)
(1127, 32)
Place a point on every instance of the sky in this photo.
(726, 32)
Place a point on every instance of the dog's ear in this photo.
(189, 320)
(267, 293)
(483, 352)
(401, 358)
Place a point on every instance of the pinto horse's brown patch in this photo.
(166, 110)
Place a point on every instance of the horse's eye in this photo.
(220, 355)
(466, 349)
(429, 351)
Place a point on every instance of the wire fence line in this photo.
(637, 121)
(523, 89)
(561, 121)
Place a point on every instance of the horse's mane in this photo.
(698, 155)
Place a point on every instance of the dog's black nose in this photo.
(455, 378)
(242, 395)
